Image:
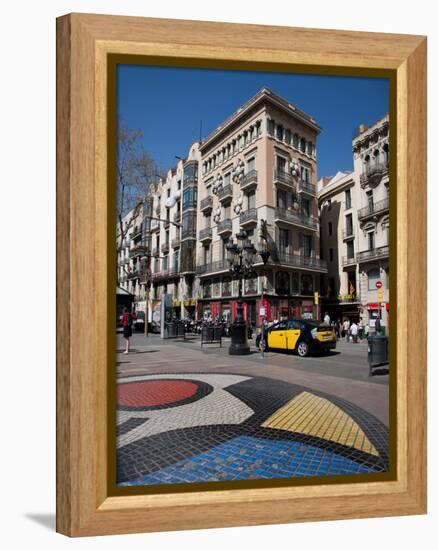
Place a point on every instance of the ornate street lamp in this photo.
(264, 253)
(241, 259)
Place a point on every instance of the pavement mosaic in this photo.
(185, 428)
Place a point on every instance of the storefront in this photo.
(375, 312)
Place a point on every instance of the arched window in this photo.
(386, 155)
(376, 156)
(282, 283)
(366, 164)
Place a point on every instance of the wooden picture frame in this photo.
(84, 43)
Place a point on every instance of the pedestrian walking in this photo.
(338, 329)
(346, 327)
(360, 329)
(353, 332)
(127, 320)
(327, 319)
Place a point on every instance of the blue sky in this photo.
(168, 104)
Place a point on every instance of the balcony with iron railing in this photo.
(134, 274)
(249, 217)
(373, 254)
(207, 204)
(306, 187)
(373, 209)
(155, 251)
(176, 242)
(296, 218)
(212, 267)
(165, 248)
(177, 217)
(249, 180)
(284, 178)
(205, 234)
(166, 223)
(166, 274)
(138, 249)
(301, 260)
(224, 227)
(348, 260)
(225, 194)
(374, 174)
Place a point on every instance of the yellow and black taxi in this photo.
(299, 335)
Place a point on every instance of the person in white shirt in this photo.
(327, 319)
(346, 326)
(353, 332)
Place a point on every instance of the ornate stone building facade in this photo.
(260, 164)
(354, 216)
(371, 163)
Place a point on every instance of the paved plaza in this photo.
(187, 414)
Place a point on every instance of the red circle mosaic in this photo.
(152, 393)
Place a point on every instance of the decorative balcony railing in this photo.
(249, 217)
(348, 260)
(373, 174)
(213, 267)
(225, 226)
(307, 187)
(300, 260)
(207, 204)
(373, 254)
(374, 208)
(176, 242)
(296, 218)
(165, 248)
(283, 177)
(177, 217)
(165, 274)
(205, 234)
(138, 249)
(249, 180)
(226, 193)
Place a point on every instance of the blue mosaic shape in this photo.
(247, 457)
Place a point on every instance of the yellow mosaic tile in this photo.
(311, 415)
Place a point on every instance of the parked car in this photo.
(299, 335)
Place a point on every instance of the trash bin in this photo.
(171, 329)
(377, 352)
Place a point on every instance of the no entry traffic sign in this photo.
(379, 284)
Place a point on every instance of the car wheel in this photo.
(303, 349)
